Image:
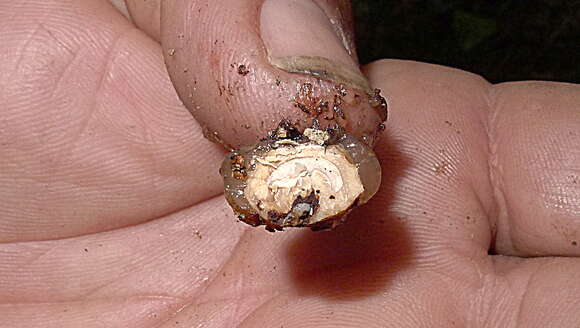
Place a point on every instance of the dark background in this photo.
(500, 40)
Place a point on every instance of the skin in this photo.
(112, 216)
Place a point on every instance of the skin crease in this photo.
(111, 214)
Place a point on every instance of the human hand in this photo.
(111, 211)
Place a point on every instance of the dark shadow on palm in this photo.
(359, 258)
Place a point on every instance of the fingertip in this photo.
(240, 71)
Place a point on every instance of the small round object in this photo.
(300, 179)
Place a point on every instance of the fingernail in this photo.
(301, 38)
(121, 7)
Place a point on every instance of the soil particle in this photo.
(440, 168)
(243, 70)
(377, 101)
(198, 234)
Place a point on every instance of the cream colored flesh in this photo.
(283, 174)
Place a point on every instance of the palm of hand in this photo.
(112, 215)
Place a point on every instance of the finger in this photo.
(92, 135)
(531, 197)
(535, 133)
(436, 173)
(146, 15)
(234, 64)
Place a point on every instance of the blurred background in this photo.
(500, 40)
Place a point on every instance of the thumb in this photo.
(241, 67)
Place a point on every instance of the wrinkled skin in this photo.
(112, 216)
